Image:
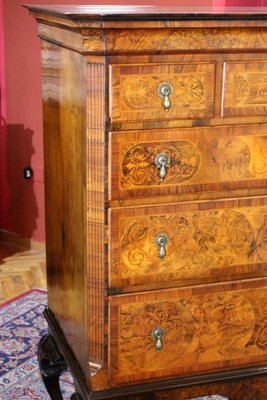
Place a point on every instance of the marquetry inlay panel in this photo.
(137, 169)
(245, 87)
(215, 239)
(134, 91)
(200, 159)
(203, 329)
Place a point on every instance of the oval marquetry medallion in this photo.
(139, 163)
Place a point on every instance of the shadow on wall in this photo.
(18, 212)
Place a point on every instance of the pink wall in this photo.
(3, 183)
(21, 201)
(245, 3)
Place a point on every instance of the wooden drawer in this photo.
(136, 91)
(245, 88)
(198, 160)
(187, 243)
(205, 328)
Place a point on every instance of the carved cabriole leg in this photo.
(52, 364)
(65, 354)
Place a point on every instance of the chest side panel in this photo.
(64, 107)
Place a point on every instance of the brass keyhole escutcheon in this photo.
(157, 335)
(164, 91)
(162, 162)
(161, 240)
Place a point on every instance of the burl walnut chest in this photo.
(155, 137)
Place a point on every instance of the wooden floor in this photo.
(20, 270)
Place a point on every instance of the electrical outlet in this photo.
(28, 172)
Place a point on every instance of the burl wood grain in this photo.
(134, 91)
(245, 88)
(133, 40)
(254, 388)
(201, 159)
(212, 240)
(249, 388)
(205, 328)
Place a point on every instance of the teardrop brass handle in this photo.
(158, 334)
(161, 240)
(162, 161)
(164, 91)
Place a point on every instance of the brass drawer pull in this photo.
(158, 334)
(164, 91)
(162, 161)
(161, 241)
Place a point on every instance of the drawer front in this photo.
(245, 89)
(187, 161)
(193, 330)
(160, 92)
(187, 243)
